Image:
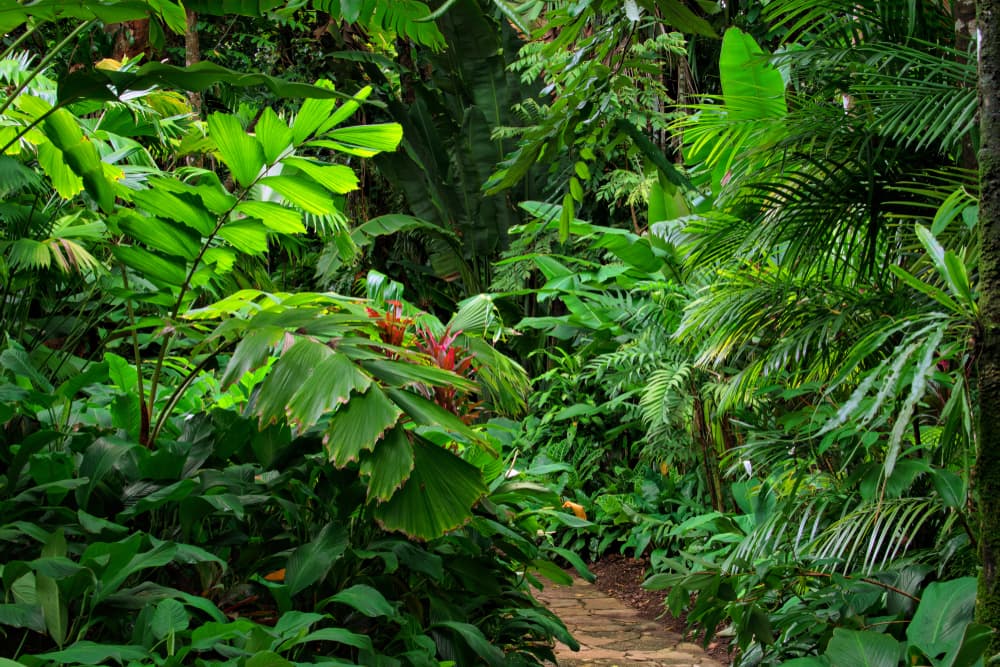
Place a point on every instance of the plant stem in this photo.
(43, 63)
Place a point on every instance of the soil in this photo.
(622, 578)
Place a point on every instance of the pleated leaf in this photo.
(363, 140)
(302, 193)
(359, 425)
(291, 373)
(156, 268)
(273, 134)
(241, 152)
(276, 217)
(336, 178)
(161, 235)
(389, 465)
(336, 377)
(437, 497)
(248, 236)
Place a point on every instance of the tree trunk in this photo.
(192, 55)
(987, 474)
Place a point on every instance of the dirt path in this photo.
(613, 635)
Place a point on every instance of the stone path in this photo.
(613, 635)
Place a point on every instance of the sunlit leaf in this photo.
(241, 152)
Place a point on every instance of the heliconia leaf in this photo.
(310, 562)
(359, 425)
(248, 236)
(302, 193)
(945, 609)
(476, 640)
(437, 497)
(92, 653)
(54, 608)
(365, 599)
(276, 217)
(338, 635)
(169, 617)
(274, 135)
(241, 152)
(389, 465)
(863, 648)
(751, 87)
(155, 267)
(160, 235)
(336, 178)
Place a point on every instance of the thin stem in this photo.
(143, 412)
(27, 128)
(44, 62)
(161, 420)
(17, 42)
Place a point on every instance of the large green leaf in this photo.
(274, 135)
(160, 235)
(161, 200)
(79, 152)
(336, 178)
(365, 599)
(389, 465)
(945, 609)
(54, 608)
(310, 562)
(359, 425)
(92, 653)
(437, 497)
(109, 85)
(302, 193)
(363, 140)
(291, 374)
(476, 641)
(241, 152)
(863, 649)
(154, 267)
(248, 235)
(278, 218)
(751, 87)
(676, 14)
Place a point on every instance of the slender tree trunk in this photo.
(192, 55)
(987, 474)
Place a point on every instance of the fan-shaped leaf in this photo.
(389, 465)
(359, 425)
(437, 497)
(241, 152)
